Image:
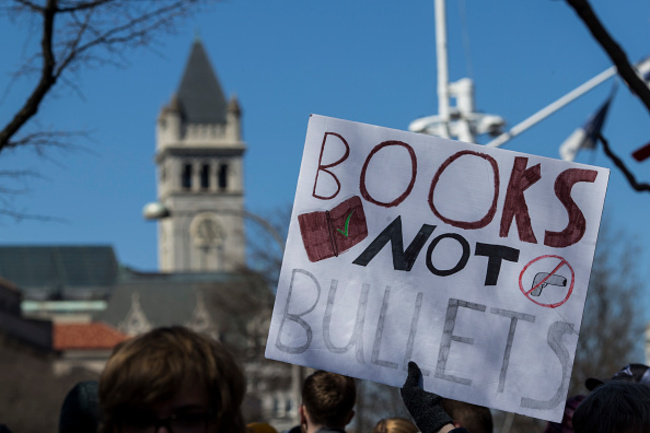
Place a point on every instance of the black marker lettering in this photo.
(402, 260)
(461, 262)
(496, 254)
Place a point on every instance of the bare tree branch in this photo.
(613, 50)
(641, 187)
(74, 35)
(80, 33)
(47, 138)
(83, 5)
(47, 80)
(611, 323)
(625, 70)
(30, 5)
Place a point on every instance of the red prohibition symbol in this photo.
(542, 280)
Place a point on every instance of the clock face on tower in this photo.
(206, 231)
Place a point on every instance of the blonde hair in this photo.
(154, 366)
(260, 427)
(395, 425)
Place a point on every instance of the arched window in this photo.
(205, 176)
(223, 176)
(186, 176)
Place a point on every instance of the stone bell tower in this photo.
(199, 158)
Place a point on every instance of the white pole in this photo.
(442, 66)
(463, 90)
(553, 107)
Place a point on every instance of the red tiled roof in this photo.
(85, 336)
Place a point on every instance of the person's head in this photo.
(327, 400)
(475, 419)
(639, 373)
(176, 376)
(614, 407)
(395, 425)
(80, 409)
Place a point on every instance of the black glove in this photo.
(424, 407)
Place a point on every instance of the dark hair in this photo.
(475, 419)
(155, 366)
(639, 373)
(80, 409)
(614, 407)
(329, 398)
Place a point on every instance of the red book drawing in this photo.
(330, 233)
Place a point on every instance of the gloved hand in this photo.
(425, 407)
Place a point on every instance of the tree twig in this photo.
(613, 50)
(641, 187)
(79, 33)
(45, 83)
(618, 56)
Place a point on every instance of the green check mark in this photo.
(347, 225)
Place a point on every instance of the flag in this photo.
(642, 153)
(644, 69)
(586, 135)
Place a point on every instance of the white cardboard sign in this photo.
(473, 262)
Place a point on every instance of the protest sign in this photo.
(473, 262)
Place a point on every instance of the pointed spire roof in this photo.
(199, 94)
(201, 320)
(135, 322)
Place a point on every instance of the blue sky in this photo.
(367, 61)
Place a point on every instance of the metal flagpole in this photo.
(462, 122)
(553, 107)
(442, 67)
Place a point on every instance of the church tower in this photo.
(199, 159)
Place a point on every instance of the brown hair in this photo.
(475, 419)
(329, 398)
(395, 425)
(154, 366)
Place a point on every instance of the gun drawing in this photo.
(553, 280)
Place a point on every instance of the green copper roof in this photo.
(44, 272)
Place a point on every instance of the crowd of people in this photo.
(174, 380)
